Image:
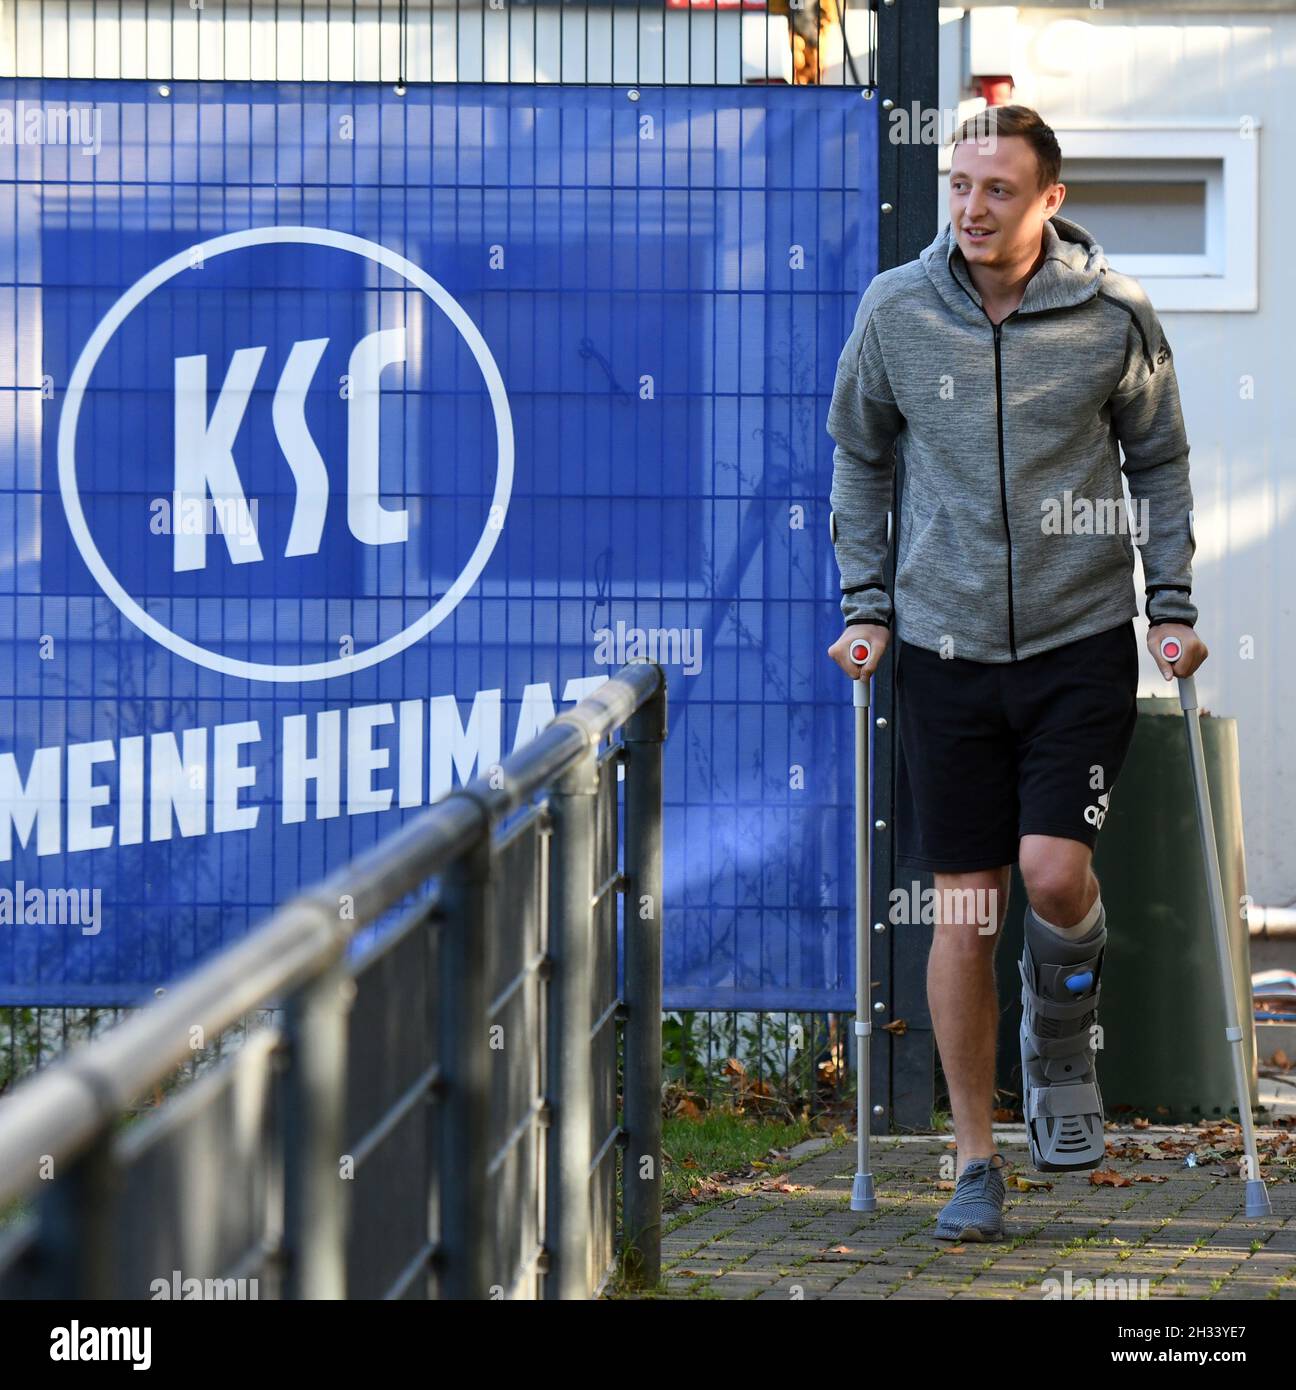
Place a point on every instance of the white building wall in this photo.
(1094, 65)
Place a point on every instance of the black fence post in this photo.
(903, 1080)
(641, 1161)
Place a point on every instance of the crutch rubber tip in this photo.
(862, 1196)
(1171, 648)
(859, 651)
(1257, 1198)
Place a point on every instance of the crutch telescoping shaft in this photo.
(862, 1194)
(1257, 1196)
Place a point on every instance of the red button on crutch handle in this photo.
(1171, 648)
(859, 651)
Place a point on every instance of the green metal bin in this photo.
(1162, 1054)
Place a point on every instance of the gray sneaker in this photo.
(975, 1212)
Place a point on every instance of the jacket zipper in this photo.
(1003, 482)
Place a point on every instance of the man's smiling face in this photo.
(996, 206)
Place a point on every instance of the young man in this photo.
(1010, 364)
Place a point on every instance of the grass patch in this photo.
(721, 1145)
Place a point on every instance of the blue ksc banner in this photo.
(347, 437)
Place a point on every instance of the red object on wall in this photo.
(997, 91)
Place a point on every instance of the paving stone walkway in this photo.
(1173, 1232)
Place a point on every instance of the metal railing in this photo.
(437, 1114)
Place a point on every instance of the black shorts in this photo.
(989, 752)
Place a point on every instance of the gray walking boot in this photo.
(1061, 1102)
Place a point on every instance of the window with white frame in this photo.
(1176, 205)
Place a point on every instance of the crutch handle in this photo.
(862, 691)
(860, 651)
(1171, 649)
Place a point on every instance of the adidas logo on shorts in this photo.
(1095, 815)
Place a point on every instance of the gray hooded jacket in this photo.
(1014, 536)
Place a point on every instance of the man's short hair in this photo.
(1023, 121)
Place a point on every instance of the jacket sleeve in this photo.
(863, 421)
(1148, 419)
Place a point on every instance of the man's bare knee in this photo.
(970, 907)
(1058, 878)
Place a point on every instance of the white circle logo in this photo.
(99, 340)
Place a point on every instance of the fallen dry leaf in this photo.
(954, 1250)
(839, 1250)
(1107, 1177)
(1028, 1184)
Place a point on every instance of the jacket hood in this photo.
(1073, 271)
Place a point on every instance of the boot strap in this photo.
(1073, 1045)
(1075, 1099)
(1056, 1008)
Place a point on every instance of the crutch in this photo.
(1257, 1197)
(862, 1197)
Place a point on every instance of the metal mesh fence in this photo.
(678, 42)
(786, 1056)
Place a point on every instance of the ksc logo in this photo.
(242, 400)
